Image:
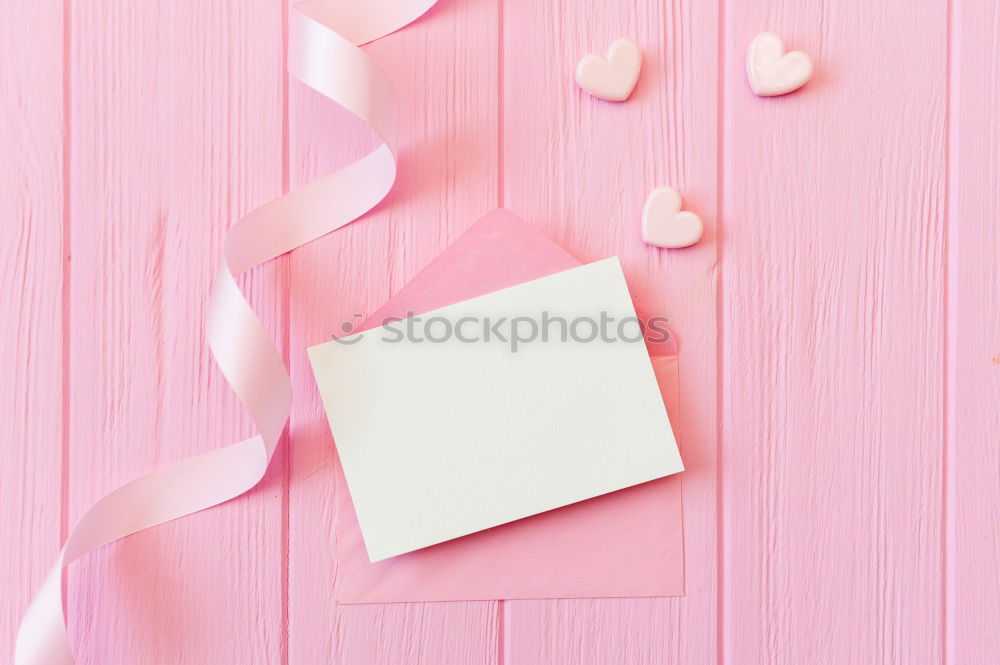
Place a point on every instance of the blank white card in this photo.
(462, 419)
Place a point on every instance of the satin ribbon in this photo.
(323, 53)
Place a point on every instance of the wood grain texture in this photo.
(444, 68)
(176, 112)
(973, 434)
(580, 168)
(31, 301)
(839, 321)
(832, 373)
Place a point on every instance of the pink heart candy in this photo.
(663, 223)
(611, 78)
(771, 71)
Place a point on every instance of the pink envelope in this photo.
(627, 543)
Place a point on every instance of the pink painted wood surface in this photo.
(832, 366)
(973, 338)
(31, 301)
(176, 130)
(838, 324)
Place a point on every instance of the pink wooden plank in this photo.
(833, 349)
(581, 168)
(176, 131)
(31, 288)
(444, 67)
(974, 337)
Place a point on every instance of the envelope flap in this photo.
(498, 251)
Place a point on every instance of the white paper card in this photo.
(450, 422)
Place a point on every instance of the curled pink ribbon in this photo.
(323, 53)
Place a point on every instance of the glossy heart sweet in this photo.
(665, 225)
(771, 71)
(612, 77)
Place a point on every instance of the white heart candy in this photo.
(614, 77)
(664, 225)
(771, 71)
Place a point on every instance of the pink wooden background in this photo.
(839, 322)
